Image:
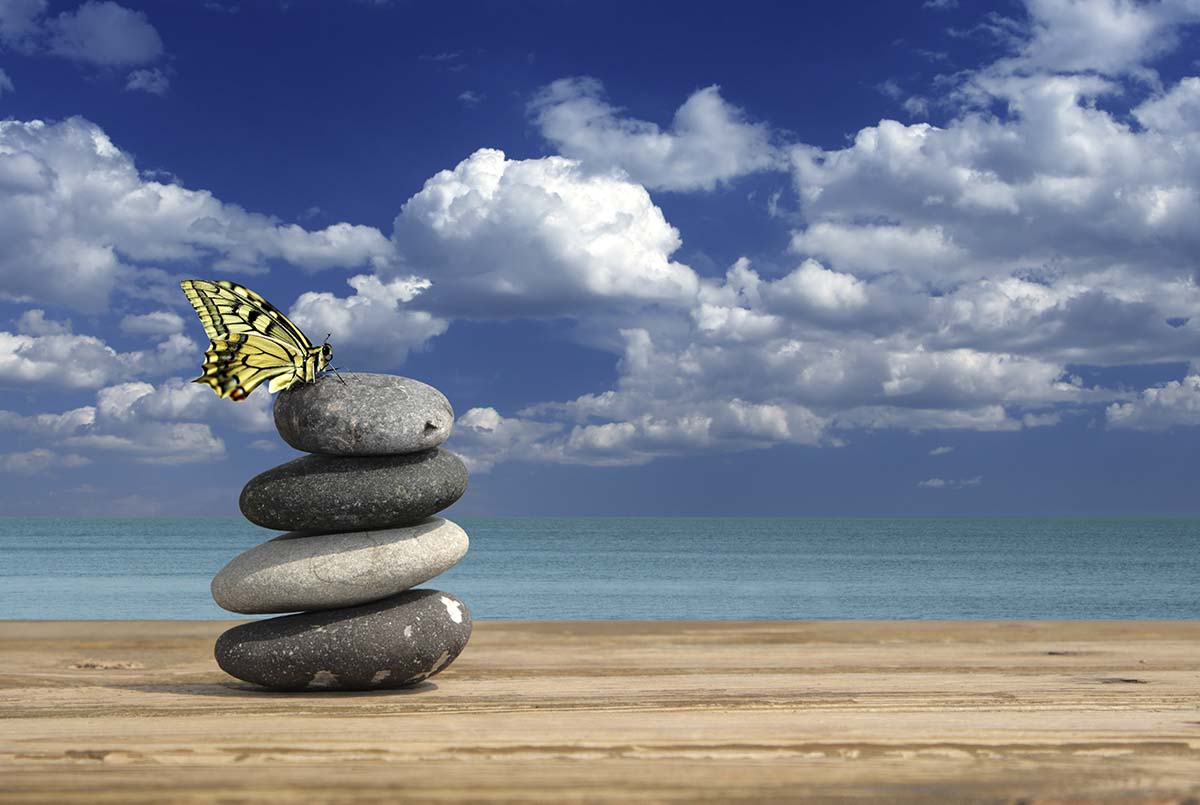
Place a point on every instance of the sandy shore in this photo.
(622, 711)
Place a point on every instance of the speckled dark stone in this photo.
(333, 493)
(392, 643)
(363, 415)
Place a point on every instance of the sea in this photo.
(660, 568)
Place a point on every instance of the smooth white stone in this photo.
(298, 572)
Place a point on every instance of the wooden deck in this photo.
(620, 711)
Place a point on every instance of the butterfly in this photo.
(252, 342)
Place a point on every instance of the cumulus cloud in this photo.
(709, 141)
(940, 277)
(374, 322)
(483, 437)
(49, 425)
(104, 34)
(77, 218)
(1175, 112)
(756, 362)
(1174, 404)
(1105, 36)
(66, 360)
(176, 399)
(157, 443)
(1060, 186)
(34, 322)
(1053, 228)
(501, 237)
(816, 288)
(164, 423)
(876, 249)
(158, 322)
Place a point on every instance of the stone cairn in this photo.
(359, 510)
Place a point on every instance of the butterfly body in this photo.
(251, 341)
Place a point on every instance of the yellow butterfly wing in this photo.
(251, 341)
(225, 307)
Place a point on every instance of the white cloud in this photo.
(176, 399)
(40, 460)
(814, 287)
(1053, 230)
(1105, 36)
(153, 81)
(77, 218)
(709, 141)
(470, 98)
(66, 360)
(6, 84)
(374, 322)
(34, 322)
(878, 417)
(157, 443)
(1045, 420)
(483, 437)
(1175, 112)
(944, 278)
(502, 237)
(49, 425)
(158, 322)
(1174, 404)
(963, 377)
(167, 423)
(1061, 183)
(924, 251)
(942, 483)
(941, 451)
(104, 34)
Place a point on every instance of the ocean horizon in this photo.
(638, 568)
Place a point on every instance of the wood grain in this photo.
(137, 711)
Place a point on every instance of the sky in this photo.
(879, 258)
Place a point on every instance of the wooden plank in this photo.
(620, 711)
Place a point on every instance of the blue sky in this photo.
(874, 258)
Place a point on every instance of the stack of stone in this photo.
(362, 534)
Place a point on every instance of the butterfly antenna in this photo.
(334, 369)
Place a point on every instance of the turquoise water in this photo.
(706, 568)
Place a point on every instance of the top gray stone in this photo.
(367, 415)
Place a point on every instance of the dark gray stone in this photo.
(363, 415)
(302, 572)
(333, 493)
(392, 643)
